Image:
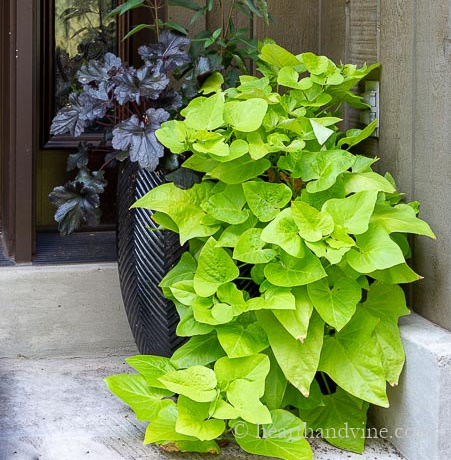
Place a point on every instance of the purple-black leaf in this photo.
(139, 137)
(78, 159)
(184, 178)
(78, 201)
(170, 52)
(98, 72)
(145, 82)
(93, 108)
(172, 100)
(71, 118)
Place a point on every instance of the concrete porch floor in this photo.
(60, 409)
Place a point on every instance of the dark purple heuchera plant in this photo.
(130, 104)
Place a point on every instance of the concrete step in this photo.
(63, 311)
(60, 409)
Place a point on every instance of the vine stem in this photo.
(326, 383)
(229, 17)
(157, 26)
(107, 163)
(104, 124)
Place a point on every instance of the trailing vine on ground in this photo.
(286, 207)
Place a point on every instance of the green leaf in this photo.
(227, 205)
(323, 249)
(387, 303)
(363, 164)
(215, 267)
(324, 166)
(213, 84)
(283, 438)
(201, 163)
(342, 420)
(231, 295)
(277, 56)
(402, 219)
(231, 235)
(151, 367)
(137, 29)
(245, 116)
(205, 113)
(212, 144)
(296, 322)
(188, 326)
(253, 368)
(241, 340)
(198, 351)
(315, 64)
(134, 390)
(293, 163)
(183, 271)
(250, 248)
(223, 410)
(197, 382)
(298, 360)
(293, 397)
(258, 148)
(312, 224)
(190, 4)
(376, 251)
(284, 232)
(174, 26)
(293, 271)
(321, 132)
(290, 78)
(398, 274)
(163, 429)
(275, 385)
(240, 170)
(128, 5)
(193, 420)
(353, 362)
(353, 213)
(274, 298)
(184, 292)
(359, 182)
(203, 447)
(243, 397)
(182, 206)
(358, 135)
(237, 149)
(336, 305)
(266, 199)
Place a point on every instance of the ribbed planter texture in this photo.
(144, 257)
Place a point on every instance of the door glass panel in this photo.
(83, 31)
(75, 32)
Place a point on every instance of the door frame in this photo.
(19, 50)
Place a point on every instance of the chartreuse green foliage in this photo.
(286, 207)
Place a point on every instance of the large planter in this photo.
(144, 257)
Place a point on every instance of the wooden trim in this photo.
(25, 128)
(19, 128)
(6, 117)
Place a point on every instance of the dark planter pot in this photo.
(144, 257)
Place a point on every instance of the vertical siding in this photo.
(183, 16)
(296, 25)
(431, 175)
(334, 29)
